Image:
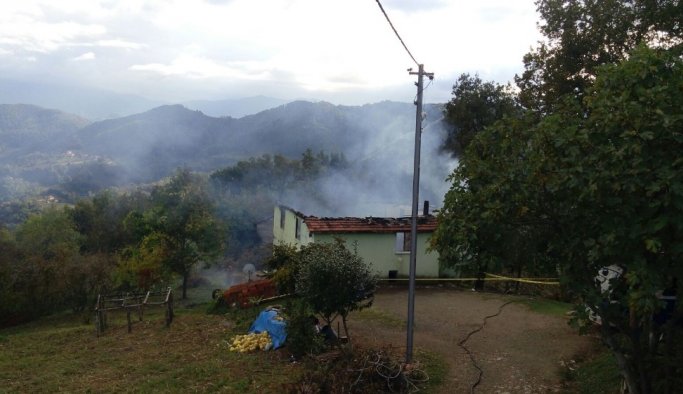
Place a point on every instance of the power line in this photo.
(397, 35)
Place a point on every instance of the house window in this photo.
(297, 229)
(403, 242)
(282, 218)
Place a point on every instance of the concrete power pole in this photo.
(416, 200)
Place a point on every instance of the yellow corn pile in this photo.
(251, 342)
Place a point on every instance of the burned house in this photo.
(382, 242)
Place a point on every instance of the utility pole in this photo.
(416, 199)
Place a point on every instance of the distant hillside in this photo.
(29, 127)
(66, 151)
(157, 141)
(153, 143)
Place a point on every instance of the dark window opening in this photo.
(403, 241)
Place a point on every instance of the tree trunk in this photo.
(519, 275)
(346, 330)
(185, 277)
(622, 362)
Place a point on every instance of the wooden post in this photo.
(169, 307)
(98, 319)
(144, 303)
(130, 327)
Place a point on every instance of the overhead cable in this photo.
(396, 32)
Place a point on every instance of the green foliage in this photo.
(43, 272)
(101, 221)
(50, 236)
(302, 338)
(285, 262)
(334, 281)
(474, 106)
(63, 257)
(594, 183)
(583, 35)
(598, 375)
(180, 229)
(277, 173)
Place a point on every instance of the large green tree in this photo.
(588, 175)
(582, 35)
(475, 105)
(47, 262)
(182, 226)
(594, 183)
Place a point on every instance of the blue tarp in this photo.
(266, 321)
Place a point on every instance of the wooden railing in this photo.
(132, 302)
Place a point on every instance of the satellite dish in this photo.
(248, 270)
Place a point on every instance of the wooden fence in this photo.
(132, 303)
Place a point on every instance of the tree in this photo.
(182, 226)
(284, 261)
(50, 236)
(100, 220)
(334, 281)
(474, 106)
(583, 35)
(596, 182)
(48, 246)
(11, 302)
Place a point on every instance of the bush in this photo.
(302, 338)
(334, 281)
(285, 262)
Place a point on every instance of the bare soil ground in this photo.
(519, 351)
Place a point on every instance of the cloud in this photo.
(117, 43)
(44, 37)
(85, 56)
(344, 52)
(412, 5)
(198, 67)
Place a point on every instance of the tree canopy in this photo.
(588, 175)
(582, 35)
(474, 106)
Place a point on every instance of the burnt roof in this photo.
(368, 224)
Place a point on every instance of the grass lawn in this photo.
(596, 375)
(62, 354)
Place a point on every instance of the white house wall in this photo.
(379, 250)
(286, 232)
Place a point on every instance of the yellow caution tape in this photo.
(492, 278)
(539, 281)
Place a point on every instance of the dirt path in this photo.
(519, 351)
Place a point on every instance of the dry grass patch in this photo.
(61, 354)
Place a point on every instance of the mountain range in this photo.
(42, 148)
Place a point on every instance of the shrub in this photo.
(334, 281)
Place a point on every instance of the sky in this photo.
(341, 51)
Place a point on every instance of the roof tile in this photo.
(367, 225)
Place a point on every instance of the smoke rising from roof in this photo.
(379, 180)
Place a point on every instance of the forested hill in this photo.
(68, 150)
(154, 143)
(29, 127)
